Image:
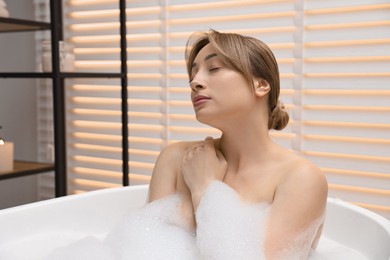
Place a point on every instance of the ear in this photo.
(262, 87)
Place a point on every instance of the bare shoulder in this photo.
(163, 182)
(305, 186)
(306, 175)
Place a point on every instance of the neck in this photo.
(244, 145)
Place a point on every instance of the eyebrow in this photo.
(205, 59)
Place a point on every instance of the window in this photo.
(335, 83)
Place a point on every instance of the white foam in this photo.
(227, 228)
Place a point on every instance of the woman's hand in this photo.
(201, 164)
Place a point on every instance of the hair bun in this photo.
(278, 118)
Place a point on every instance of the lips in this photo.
(200, 99)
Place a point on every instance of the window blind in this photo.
(333, 58)
(346, 98)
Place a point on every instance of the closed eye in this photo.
(214, 69)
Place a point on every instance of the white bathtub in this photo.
(31, 231)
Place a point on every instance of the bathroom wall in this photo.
(18, 102)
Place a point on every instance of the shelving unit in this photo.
(8, 25)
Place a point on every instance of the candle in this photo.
(6, 155)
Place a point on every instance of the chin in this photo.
(207, 120)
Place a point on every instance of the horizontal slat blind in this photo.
(333, 58)
(346, 98)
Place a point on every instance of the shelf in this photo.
(25, 75)
(61, 75)
(20, 25)
(22, 168)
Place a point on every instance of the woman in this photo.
(234, 83)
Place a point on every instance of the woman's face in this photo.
(218, 92)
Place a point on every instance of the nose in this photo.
(196, 85)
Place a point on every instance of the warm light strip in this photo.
(287, 91)
(355, 92)
(92, 147)
(346, 75)
(95, 88)
(97, 160)
(94, 26)
(98, 137)
(182, 117)
(97, 64)
(229, 18)
(384, 176)
(144, 75)
(357, 25)
(347, 139)
(93, 171)
(96, 100)
(141, 165)
(112, 25)
(95, 112)
(95, 124)
(89, 184)
(372, 207)
(91, 2)
(347, 108)
(95, 39)
(114, 38)
(348, 59)
(144, 89)
(346, 43)
(144, 102)
(143, 152)
(359, 189)
(113, 12)
(360, 8)
(190, 129)
(217, 5)
(348, 156)
(185, 35)
(347, 124)
(116, 63)
(179, 103)
(107, 50)
(94, 14)
(145, 140)
(282, 135)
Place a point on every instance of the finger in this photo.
(220, 155)
(209, 142)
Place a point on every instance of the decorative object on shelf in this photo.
(3, 9)
(6, 155)
(66, 57)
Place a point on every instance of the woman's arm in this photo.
(163, 182)
(295, 216)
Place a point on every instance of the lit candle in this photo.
(6, 155)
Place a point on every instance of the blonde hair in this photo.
(249, 56)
